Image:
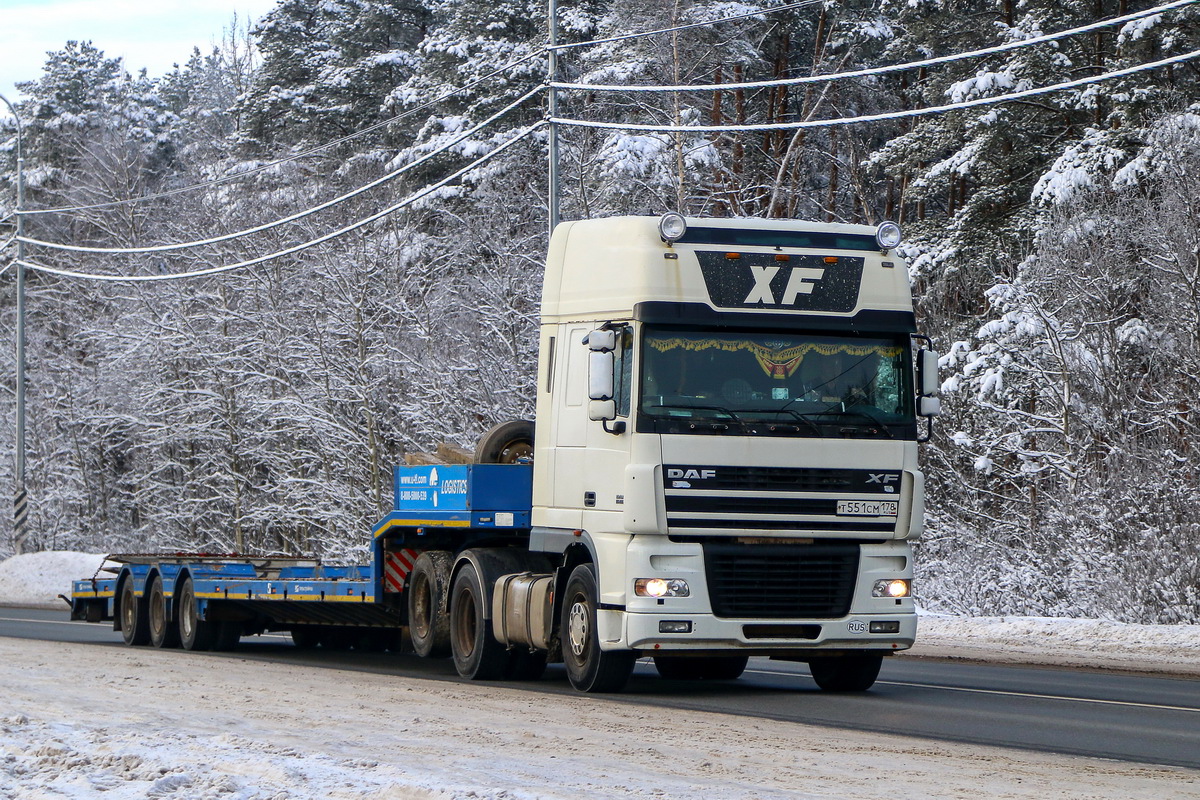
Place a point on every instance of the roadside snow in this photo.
(37, 579)
(1089, 643)
(82, 722)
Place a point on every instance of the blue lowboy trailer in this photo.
(205, 601)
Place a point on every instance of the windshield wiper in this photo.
(791, 412)
(716, 422)
(861, 411)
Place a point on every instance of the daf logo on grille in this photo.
(691, 474)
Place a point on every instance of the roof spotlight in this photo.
(887, 235)
(672, 227)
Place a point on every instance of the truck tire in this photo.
(428, 586)
(845, 673)
(135, 627)
(162, 632)
(477, 654)
(194, 633)
(507, 443)
(589, 668)
(713, 668)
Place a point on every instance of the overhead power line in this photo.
(706, 23)
(928, 62)
(412, 198)
(295, 156)
(916, 112)
(162, 248)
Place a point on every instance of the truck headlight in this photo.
(897, 587)
(661, 587)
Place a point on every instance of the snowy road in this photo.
(1138, 718)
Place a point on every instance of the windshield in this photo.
(776, 384)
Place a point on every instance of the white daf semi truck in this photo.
(723, 465)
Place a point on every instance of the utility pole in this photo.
(552, 108)
(20, 497)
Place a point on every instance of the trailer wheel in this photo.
(845, 673)
(477, 654)
(589, 668)
(135, 627)
(507, 443)
(428, 622)
(713, 668)
(194, 633)
(162, 632)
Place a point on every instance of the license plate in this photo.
(867, 508)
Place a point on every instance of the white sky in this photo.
(147, 33)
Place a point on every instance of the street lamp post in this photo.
(20, 498)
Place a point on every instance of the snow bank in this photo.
(37, 579)
(1169, 649)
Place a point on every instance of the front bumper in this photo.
(640, 631)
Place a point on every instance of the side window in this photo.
(624, 370)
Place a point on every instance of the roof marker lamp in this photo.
(887, 235)
(672, 227)
(899, 587)
(661, 587)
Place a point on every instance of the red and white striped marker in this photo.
(396, 566)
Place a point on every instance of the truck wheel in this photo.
(135, 627)
(194, 633)
(428, 622)
(477, 654)
(507, 443)
(713, 668)
(845, 673)
(588, 667)
(162, 632)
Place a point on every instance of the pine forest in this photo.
(393, 154)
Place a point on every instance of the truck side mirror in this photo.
(600, 376)
(601, 341)
(602, 410)
(929, 406)
(927, 366)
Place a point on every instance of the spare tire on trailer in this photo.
(507, 443)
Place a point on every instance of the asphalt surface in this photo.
(1120, 716)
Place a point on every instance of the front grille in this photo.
(750, 505)
(767, 581)
(778, 479)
